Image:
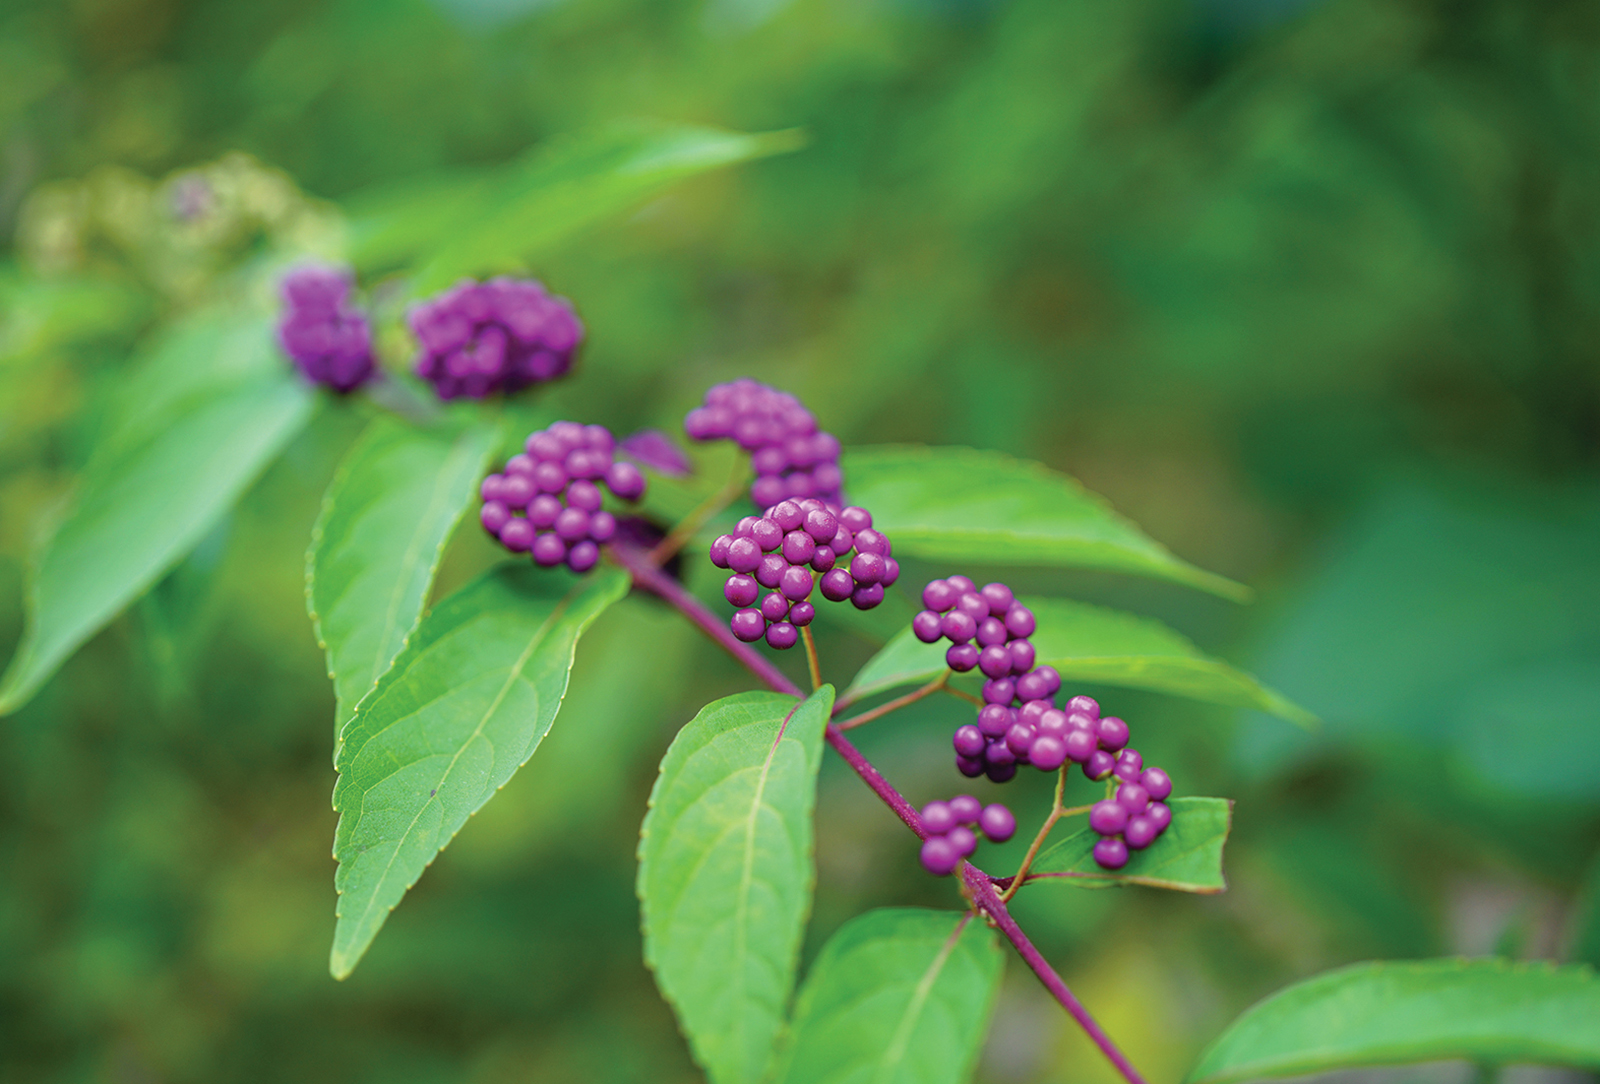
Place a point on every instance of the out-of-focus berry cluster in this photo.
(326, 336)
(781, 550)
(478, 338)
(547, 500)
(1136, 815)
(791, 457)
(951, 838)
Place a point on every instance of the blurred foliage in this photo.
(1309, 289)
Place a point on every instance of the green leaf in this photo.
(896, 995)
(387, 516)
(726, 872)
(1091, 643)
(961, 504)
(475, 224)
(1186, 858)
(1390, 1013)
(464, 706)
(195, 422)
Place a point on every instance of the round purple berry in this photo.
(1160, 815)
(963, 838)
(966, 809)
(1032, 686)
(939, 596)
(1113, 732)
(1022, 656)
(997, 823)
(1099, 764)
(999, 752)
(1080, 746)
(1000, 773)
(836, 586)
(584, 495)
(798, 548)
(969, 741)
(971, 603)
(719, 550)
(801, 613)
(937, 818)
(874, 542)
(625, 480)
(927, 626)
(766, 534)
(1053, 721)
(855, 519)
(795, 583)
(1108, 817)
(516, 490)
(1052, 679)
(958, 627)
(1020, 738)
(1111, 853)
(583, 556)
(940, 856)
(788, 516)
(823, 559)
(774, 607)
(748, 625)
(995, 661)
(741, 590)
(782, 636)
(1157, 783)
(866, 569)
(995, 719)
(971, 767)
(549, 550)
(1086, 704)
(744, 555)
(865, 598)
(961, 658)
(961, 585)
(517, 535)
(1140, 833)
(1133, 797)
(572, 524)
(1129, 765)
(821, 525)
(999, 691)
(891, 572)
(494, 515)
(771, 569)
(991, 632)
(1048, 752)
(999, 597)
(602, 526)
(1020, 621)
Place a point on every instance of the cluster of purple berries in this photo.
(326, 336)
(501, 335)
(950, 836)
(791, 457)
(961, 613)
(782, 548)
(1135, 816)
(547, 501)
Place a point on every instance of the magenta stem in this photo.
(979, 884)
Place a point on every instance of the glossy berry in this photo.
(782, 635)
(940, 856)
(1160, 815)
(961, 657)
(1113, 732)
(748, 625)
(1133, 797)
(1047, 753)
(1111, 853)
(1099, 764)
(1140, 833)
(1108, 817)
(966, 808)
(1157, 783)
(969, 741)
(801, 613)
(997, 823)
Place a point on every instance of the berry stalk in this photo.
(811, 658)
(897, 703)
(702, 514)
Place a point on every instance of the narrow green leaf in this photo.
(1186, 858)
(386, 518)
(726, 872)
(1092, 643)
(961, 504)
(194, 424)
(464, 706)
(897, 996)
(480, 223)
(1390, 1013)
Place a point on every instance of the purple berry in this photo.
(516, 490)
(995, 719)
(1052, 679)
(766, 534)
(748, 625)
(961, 585)
(855, 519)
(961, 658)
(971, 603)
(969, 741)
(1020, 621)
(798, 548)
(549, 550)
(999, 597)
(1080, 746)
(940, 856)
(997, 823)
(1000, 773)
(543, 510)
(927, 626)
(995, 661)
(891, 572)
(874, 542)
(842, 542)
(1033, 710)
(865, 598)
(801, 613)
(489, 488)
(1099, 764)
(740, 590)
(1113, 732)
(959, 628)
(782, 636)
(1108, 817)
(1157, 783)
(1130, 760)
(572, 525)
(1140, 833)
(966, 809)
(549, 477)
(991, 632)
(1032, 686)
(866, 569)
(999, 691)
(771, 569)
(999, 752)
(1053, 721)
(1133, 797)
(328, 338)
(836, 586)
(1086, 704)
(775, 607)
(937, 818)
(1111, 853)
(788, 516)
(1022, 655)
(1048, 752)
(583, 556)
(1019, 739)
(821, 525)
(963, 839)
(494, 515)
(795, 583)
(743, 528)
(625, 480)
(823, 559)
(766, 489)
(602, 526)
(719, 550)
(744, 555)
(939, 596)
(971, 767)
(1160, 815)
(517, 535)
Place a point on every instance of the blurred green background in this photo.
(1309, 289)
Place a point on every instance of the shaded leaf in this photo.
(386, 518)
(1389, 1013)
(1186, 858)
(962, 504)
(464, 706)
(897, 994)
(195, 423)
(1092, 643)
(726, 872)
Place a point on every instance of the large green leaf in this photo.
(1390, 1013)
(726, 872)
(464, 706)
(474, 224)
(1187, 857)
(897, 996)
(194, 423)
(1091, 643)
(961, 504)
(387, 515)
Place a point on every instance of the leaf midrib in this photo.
(896, 1050)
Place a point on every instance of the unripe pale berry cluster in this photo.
(326, 336)
(782, 549)
(1136, 815)
(547, 500)
(496, 336)
(950, 830)
(791, 457)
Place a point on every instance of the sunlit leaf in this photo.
(1094, 644)
(385, 521)
(1187, 857)
(1390, 1013)
(726, 872)
(961, 504)
(897, 996)
(464, 706)
(195, 423)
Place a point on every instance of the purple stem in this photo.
(979, 884)
(987, 900)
